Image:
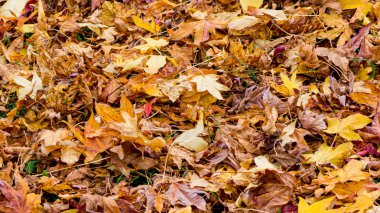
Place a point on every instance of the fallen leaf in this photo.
(29, 87)
(319, 206)
(209, 83)
(151, 27)
(243, 22)
(151, 44)
(287, 132)
(346, 126)
(278, 15)
(181, 193)
(18, 199)
(371, 99)
(353, 171)
(327, 154)
(289, 84)
(190, 140)
(275, 189)
(12, 8)
(250, 3)
(154, 63)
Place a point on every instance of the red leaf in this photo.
(148, 107)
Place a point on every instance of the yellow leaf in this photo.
(289, 84)
(12, 8)
(152, 90)
(250, 3)
(151, 44)
(27, 28)
(317, 207)
(34, 202)
(29, 87)
(190, 140)
(107, 113)
(243, 22)
(152, 27)
(70, 154)
(209, 83)
(154, 63)
(326, 154)
(346, 126)
(350, 4)
(364, 201)
(129, 63)
(352, 172)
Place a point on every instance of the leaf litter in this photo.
(189, 106)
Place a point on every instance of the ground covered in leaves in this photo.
(189, 106)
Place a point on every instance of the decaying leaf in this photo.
(184, 195)
(189, 106)
(18, 199)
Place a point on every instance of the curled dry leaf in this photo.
(190, 138)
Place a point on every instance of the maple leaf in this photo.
(202, 28)
(250, 3)
(243, 22)
(287, 132)
(12, 8)
(274, 189)
(190, 140)
(151, 44)
(319, 206)
(364, 201)
(289, 84)
(346, 126)
(371, 99)
(181, 193)
(209, 83)
(70, 154)
(124, 121)
(362, 6)
(151, 27)
(18, 199)
(154, 63)
(93, 138)
(352, 172)
(326, 154)
(174, 88)
(335, 56)
(51, 138)
(29, 87)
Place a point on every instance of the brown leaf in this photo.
(18, 199)
(370, 99)
(181, 193)
(93, 202)
(312, 121)
(275, 190)
(336, 57)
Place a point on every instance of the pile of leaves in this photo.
(189, 106)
